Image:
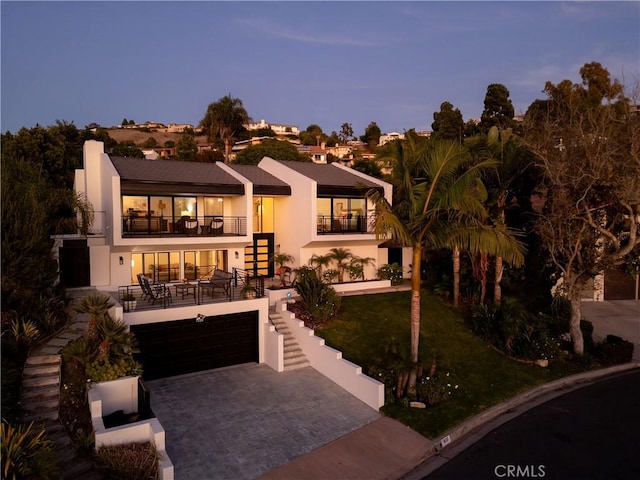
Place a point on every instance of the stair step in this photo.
(67, 453)
(57, 342)
(80, 468)
(41, 370)
(40, 416)
(43, 360)
(295, 365)
(293, 347)
(50, 350)
(40, 404)
(41, 381)
(40, 391)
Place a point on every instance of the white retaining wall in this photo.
(122, 394)
(330, 363)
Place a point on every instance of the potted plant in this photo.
(283, 271)
(130, 302)
(248, 292)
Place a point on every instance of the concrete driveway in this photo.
(615, 317)
(243, 421)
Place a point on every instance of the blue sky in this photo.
(298, 63)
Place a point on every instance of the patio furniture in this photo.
(185, 289)
(220, 279)
(156, 291)
(190, 226)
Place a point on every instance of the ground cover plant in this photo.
(462, 375)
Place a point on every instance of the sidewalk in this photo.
(615, 317)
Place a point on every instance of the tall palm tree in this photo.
(438, 198)
(319, 262)
(224, 119)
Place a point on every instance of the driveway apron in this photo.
(240, 422)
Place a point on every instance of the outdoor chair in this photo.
(145, 295)
(157, 291)
(190, 226)
(220, 279)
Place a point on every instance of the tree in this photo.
(127, 149)
(346, 132)
(438, 197)
(448, 123)
(187, 148)
(371, 135)
(498, 109)
(369, 167)
(224, 119)
(313, 135)
(276, 149)
(210, 156)
(124, 121)
(586, 141)
(150, 143)
(342, 256)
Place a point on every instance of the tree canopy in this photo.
(225, 119)
(448, 123)
(498, 109)
(371, 135)
(276, 149)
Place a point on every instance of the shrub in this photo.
(435, 389)
(133, 461)
(391, 272)
(614, 351)
(319, 301)
(27, 453)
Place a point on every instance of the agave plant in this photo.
(97, 306)
(27, 453)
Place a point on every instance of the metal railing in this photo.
(204, 226)
(328, 224)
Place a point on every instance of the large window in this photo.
(338, 214)
(201, 263)
(263, 215)
(166, 266)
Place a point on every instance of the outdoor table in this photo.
(185, 289)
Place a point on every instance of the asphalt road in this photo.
(590, 433)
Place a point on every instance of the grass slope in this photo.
(368, 323)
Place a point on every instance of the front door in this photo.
(257, 256)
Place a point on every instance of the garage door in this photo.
(190, 345)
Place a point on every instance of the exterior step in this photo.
(40, 391)
(41, 381)
(80, 468)
(40, 416)
(51, 350)
(43, 360)
(40, 404)
(297, 364)
(41, 370)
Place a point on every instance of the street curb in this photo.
(460, 432)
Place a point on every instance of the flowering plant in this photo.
(435, 389)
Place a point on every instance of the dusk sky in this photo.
(298, 63)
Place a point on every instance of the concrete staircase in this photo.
(40, 398)
(293, 356)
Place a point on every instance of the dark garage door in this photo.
(185, 346)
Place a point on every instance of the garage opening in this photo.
(191, 345)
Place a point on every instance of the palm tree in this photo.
(319, 262)
(341, 256)
(281, 259)
(438, 198)
(224, 119)
(358, 264)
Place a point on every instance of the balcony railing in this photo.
(181, 294)
(206, 226)
(344, 224)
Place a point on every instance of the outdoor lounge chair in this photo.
(156, 291)
(190, 226)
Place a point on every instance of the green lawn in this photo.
(367, 323)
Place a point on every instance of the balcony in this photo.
(159, 226)
(181, 294)
(344, 224)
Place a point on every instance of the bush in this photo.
(27, 453)
(133, 461)
(319, 301)
(614, 351)
(391, 272)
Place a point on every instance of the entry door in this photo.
(74, 263)
(256, 256)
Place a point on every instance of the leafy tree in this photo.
(127, 149)
(448, 123)
(169, 144)
(586, 141)
(224, 119)
(346, 132)
(187, 148)
(276, 149)
(125, 121)
(262, 132)
(210, 156)
(438, 199)
(150, 143)
(498, 109)
(313, 135)
(371, 135)
(369, 167)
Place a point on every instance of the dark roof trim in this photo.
(133, 187)
(343, 191)
(271, 190)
